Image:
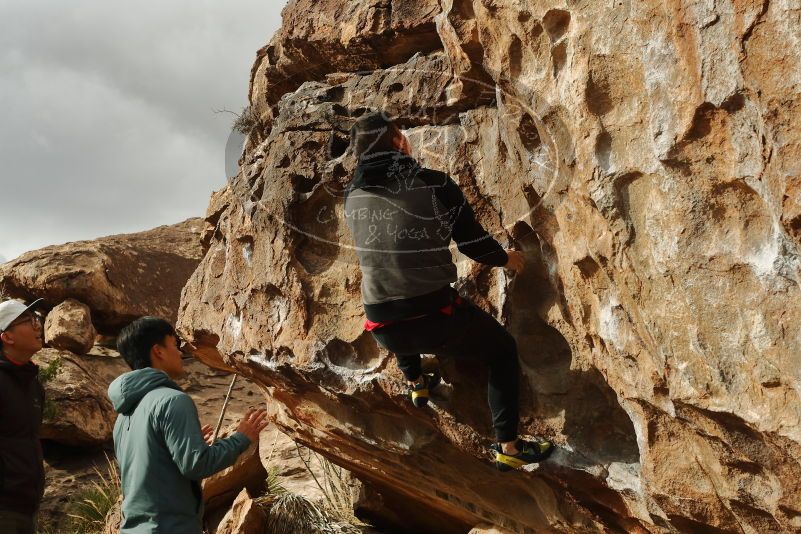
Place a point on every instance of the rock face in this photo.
(644, 155)
(244, 517)
(339, 37)
(80, 413)
(248, 471)
(69, 327)
(119, 277)
(114, 518)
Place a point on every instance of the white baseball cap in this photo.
(11, 309)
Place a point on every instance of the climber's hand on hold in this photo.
(515, 261)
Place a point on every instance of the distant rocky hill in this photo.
(120, 277)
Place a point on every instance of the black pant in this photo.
(468, 333)
(16, 523)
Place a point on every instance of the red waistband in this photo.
(371, 325)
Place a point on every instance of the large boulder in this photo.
(77, 409)
(69, 327)
(644, 155)
(120, 277)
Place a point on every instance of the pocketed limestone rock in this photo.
(643, 155)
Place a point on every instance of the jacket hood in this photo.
(379, 168)
(127, 390)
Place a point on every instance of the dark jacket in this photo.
(21, 468)
(403, 218)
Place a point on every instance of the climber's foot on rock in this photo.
(420, 391)
(523, 453)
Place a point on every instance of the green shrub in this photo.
(46, 374)
(290, 513)
(274, 485)
(337, 487)
(246, 121)
(50, 371)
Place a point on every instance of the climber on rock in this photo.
(403, 217)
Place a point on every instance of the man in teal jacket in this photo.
(160, 446)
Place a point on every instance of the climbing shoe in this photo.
(419, 392)
(530, 452)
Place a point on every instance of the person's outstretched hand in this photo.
(208, 434)
(515, 261)
(253, 423)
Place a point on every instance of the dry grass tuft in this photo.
(87, 511)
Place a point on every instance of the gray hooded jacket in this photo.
(403, 219)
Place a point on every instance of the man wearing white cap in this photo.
(21, 401)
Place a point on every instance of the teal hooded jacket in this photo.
(162, 455)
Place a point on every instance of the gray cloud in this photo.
(108, 122)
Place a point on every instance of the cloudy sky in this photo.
(108, 121)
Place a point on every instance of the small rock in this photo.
(244, 517)
(69, 327)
